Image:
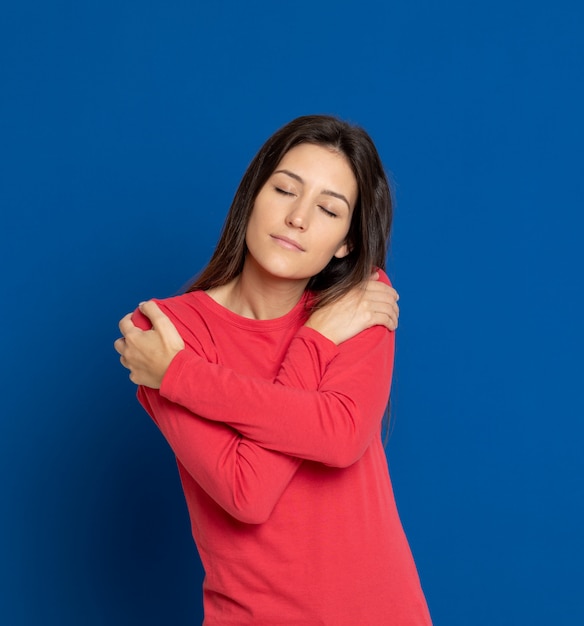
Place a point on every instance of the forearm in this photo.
(325, 405)
(241, 476)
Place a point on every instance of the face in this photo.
(301, 216)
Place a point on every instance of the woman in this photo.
(269, 379)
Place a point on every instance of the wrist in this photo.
(321, 328)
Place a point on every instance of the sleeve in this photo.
(241, 476)
(244, 478)
(332, 422)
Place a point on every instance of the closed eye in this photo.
(326, 211)
(283, 191)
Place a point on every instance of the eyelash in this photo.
(283, 191)
(327, 212)
(289, 193)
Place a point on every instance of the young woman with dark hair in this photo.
(269, 378)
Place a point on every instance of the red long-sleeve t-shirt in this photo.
(277, 436)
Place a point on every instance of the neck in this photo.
(257, 295)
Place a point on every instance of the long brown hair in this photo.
(368, 234)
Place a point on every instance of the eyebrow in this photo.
(327, 192)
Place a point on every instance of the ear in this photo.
(342, 250)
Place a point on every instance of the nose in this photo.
(298, 217)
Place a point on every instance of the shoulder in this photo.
(188, 314)
(177, 308)
(187, 311)
(383, 277)
(183, 305)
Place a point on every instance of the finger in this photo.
(383, 318)
(383, 287)
(163, 325)
(126, 325)
(152, 311)
(391, 296)
(381, 298)
(391, 322)
(392, 293)
(390, 316)
(395, 319)
(378, 286)
(120, 345)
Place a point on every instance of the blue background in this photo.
(124, 129)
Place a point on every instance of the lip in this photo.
(287, 243)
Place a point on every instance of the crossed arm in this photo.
(246, 465)
(149, 353)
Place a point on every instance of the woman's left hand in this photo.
(148, 353)
(373, 303)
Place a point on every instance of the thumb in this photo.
(162, 324)
(152, 311)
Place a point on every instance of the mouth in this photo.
(287, 243)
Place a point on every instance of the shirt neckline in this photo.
(298, 312)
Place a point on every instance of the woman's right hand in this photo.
(371, 304)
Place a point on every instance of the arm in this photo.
(241, 476)
(340, 393)
(333, 424)
(148, 351)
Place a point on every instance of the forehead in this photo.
(322, 167)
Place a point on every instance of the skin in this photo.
(295, 228)
(300, 220)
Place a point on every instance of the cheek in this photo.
(252, 223)
(257, 226)
(339, 239)
(258, 213)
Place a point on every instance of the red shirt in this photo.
(276, 431)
